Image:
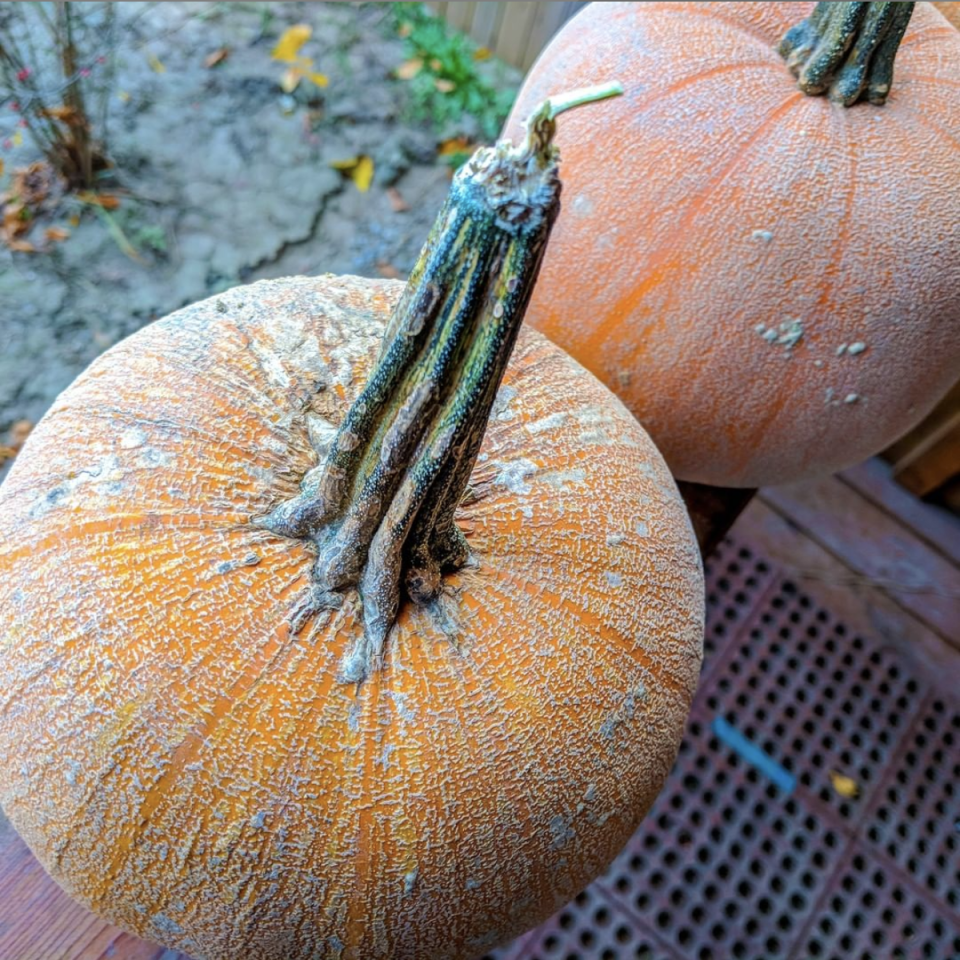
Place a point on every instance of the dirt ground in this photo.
(224, 179)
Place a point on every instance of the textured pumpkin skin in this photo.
(190, 771)
(729, 199)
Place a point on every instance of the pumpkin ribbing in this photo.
(187, 766)
(715, 279)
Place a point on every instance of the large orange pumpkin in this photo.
(199, 752)
(769, 280)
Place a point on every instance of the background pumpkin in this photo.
(185, 766)
(951, 10)
(770, 282)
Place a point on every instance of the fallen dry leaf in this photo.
(21, 246)
(56, 234)
(19, 433)
(359, 169)
(320, 79)
(444, 86)
(409, 69)
(845, 786)
(107, 201)
(64, 113)
(397, 202)
(454, 145)
(405, 29)
(17, 139)
(290, 42)
(388, 271)
(482, 53)
(218, 56)
(7, 453)
(2, 166)
(156, 65)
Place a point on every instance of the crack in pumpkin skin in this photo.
(441, 781)
(724, 408)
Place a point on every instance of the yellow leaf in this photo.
(123, 96)
(482, 53)
(320, 79)
(358, 169)
(444, 86)
(74, 220)
(2, 165)
(17, 138)
(845, 786)
(155, 63)
(289, 44)
(409, 69)
(454, 145)
(290, 80)
(362, 174)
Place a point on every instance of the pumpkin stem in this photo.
(380, 509)
(846, 50)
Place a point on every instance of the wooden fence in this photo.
(515, 32)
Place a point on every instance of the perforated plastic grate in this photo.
(917, 818)
(736, 579)
(814, 698)
(723, 866)
(727, 866)
(870, 914)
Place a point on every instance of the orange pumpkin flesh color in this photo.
(202, 746)
(770, 281)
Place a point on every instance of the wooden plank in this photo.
(864, 609)
(460, 15)
(934, 463)
(919, 435)
(515, 31)
(878, 548)
(486, 24)
(873, 479)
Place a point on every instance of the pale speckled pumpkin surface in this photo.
(187, 768)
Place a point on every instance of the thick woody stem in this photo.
(847, 50)
(380, 509)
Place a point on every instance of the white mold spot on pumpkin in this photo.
(615, 539)
(641, 529)
(561, 832)
(552, 422)
(132, 438)
(105, 479)
(559, 479)
(614, 579)
(513, 474)
(410, 881)
(764, 236)
(501, 404)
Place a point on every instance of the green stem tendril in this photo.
(847, 50)
(380, 507)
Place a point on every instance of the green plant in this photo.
(447, 81)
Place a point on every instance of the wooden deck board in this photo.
(881, 549)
